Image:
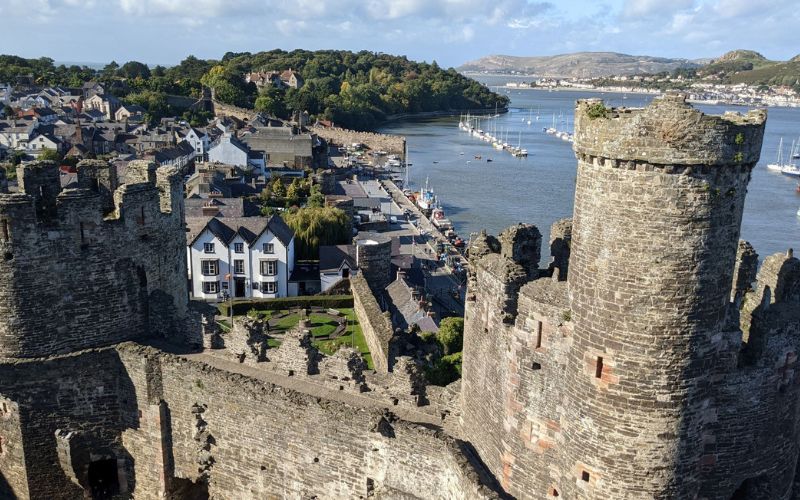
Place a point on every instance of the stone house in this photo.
(239, 257)
(291, 78)
(130, 112)
(106, 104)
(281, 146)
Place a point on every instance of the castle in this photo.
(640, 362)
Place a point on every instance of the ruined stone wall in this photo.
(250, 439)
(375, 324)
(13, 476)
(393, 144)
(85, 394)
(222, 109)
(74, 277)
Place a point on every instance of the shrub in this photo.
(243, 306)
(597, 110)
(451, 335)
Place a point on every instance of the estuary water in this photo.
(539, 189)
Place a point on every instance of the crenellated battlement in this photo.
(667, 132)
(90, 259)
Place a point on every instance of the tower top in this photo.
(668, 131)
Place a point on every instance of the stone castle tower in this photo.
(107, 259)
(629, 376)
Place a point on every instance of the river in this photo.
(539, 189)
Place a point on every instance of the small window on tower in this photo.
(585, 476)
(538, 334)
(598, 370)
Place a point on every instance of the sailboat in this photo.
(778, 165)
(518, 151)
(530, 114)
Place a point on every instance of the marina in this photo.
(498, 139)
(479, 195)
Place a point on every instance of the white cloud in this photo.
(649, 8)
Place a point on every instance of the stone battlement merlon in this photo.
(155, 192)
(668, 132)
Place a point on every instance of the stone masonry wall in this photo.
(392, 144)
(84, 393)
(633, 379)
(13, 476)
(375, 324)
(250, 439)
(653, 252)
(76, 278)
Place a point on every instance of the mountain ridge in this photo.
(578, 64)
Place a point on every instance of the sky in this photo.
(450, 32)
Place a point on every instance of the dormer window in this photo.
(238, 247)
(269, 248)
(208, 248)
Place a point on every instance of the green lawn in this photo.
(323, 326)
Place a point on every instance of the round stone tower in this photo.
(374, 258)
(658, 207)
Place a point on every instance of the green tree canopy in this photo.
(314, 227)
(49, 154)
(451, 335)
(134, 69)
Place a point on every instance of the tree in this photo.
(314, 227)
(316, 200)
(134, 69)
(49, 154)
(271, 102)
(8, 111)
(110, 70)
(451, 335)
(278, 189)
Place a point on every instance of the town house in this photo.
(239, 256)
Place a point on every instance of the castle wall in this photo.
(375, 325)
(632, 379)
(485, 372)
(653, 252)
(85, 394)
(13, 476)
(251, 439)
(72, 279)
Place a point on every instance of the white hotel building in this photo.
(242, 256)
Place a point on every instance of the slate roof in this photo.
(249, 228)
(332, 256)
(404, 309)
(228, 207)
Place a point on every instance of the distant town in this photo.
(740, 94)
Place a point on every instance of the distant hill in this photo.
(579, 64)
(747, 66)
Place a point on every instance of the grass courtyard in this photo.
(323, 326)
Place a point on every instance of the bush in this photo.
(445, 371)
(451, 335)
(597, 110)
(243, 306)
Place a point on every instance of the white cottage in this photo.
(240, 256)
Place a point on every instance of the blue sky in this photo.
(448, 31)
